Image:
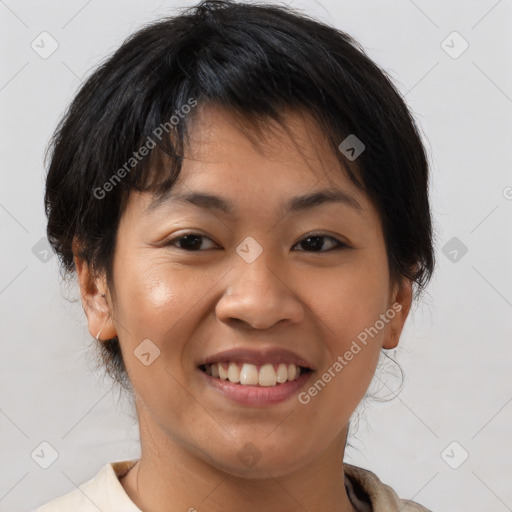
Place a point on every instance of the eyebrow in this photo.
(293, 205)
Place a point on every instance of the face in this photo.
(309, 282)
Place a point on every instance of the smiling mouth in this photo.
(247, 374)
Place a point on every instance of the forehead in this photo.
(217, 133)
(229, 156)
(225, 148)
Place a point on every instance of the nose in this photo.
(259, 295)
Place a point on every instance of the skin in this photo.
(196, 303)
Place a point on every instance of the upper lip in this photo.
(272, 355)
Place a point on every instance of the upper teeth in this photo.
(248, 374)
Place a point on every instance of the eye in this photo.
(316, 242)
(189, 241)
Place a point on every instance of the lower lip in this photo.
(257, 395)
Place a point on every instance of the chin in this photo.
(254, 463)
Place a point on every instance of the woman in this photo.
(244, 197)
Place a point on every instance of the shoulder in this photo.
(104, 491)
(84, 498)
(382, 496)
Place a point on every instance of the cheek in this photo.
(329, 402)
(164, 303)
(155, 295)
(348, 306)
(348, 300)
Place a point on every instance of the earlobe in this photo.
(93, 293)
(401, 301)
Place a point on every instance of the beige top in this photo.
(104, 492)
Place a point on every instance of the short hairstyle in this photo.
(255, 60)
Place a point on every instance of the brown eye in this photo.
(192, 242)
(315, 243)
(189, 242)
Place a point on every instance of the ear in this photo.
(94, 295)
(400, 303)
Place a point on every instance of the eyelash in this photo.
(339, 244)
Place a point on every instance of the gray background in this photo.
(456, 348)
